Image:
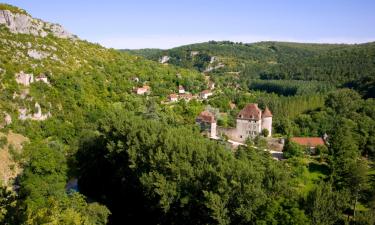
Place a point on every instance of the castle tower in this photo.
(267, 121)
(248, 122)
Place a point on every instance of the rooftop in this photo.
(207, 117)
(308, 141)
(251, 111)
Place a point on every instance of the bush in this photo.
(292, 149)
(3, 141)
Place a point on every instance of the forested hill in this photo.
(337, 63)
(80, 144)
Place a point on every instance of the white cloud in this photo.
(165, 41)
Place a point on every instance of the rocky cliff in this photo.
(19, 22)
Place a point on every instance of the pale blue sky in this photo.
(166, 23)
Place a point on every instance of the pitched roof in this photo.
(251, 111)
(186, 96)
(180, 87)
(206, 116)
(206, 92)
(266, 113)
(173, 96)
(308, 141)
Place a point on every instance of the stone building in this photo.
(250, 122)
(207, 122)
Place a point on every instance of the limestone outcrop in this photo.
(22, 23)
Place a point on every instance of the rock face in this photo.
(164, 59)
(24, 78)
(38, 115)
(37, 54)
(7, 120)
(19, 23)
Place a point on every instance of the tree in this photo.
(325, 206)
(343, 101)
(292, 149)
(265, 132)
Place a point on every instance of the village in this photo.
(251, 122)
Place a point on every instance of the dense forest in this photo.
(106, 155)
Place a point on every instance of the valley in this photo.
(218, 132)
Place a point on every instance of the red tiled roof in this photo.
(186, 96)
(308, 141)
(266, 113)
(173, 96)
(251, 111)
(206, 92)
(207, 117)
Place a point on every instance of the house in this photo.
(181, 89)
(173, 98)
(250, 122)
(42, 78)
(207, 122)
(310, 143)
(186, 96)
(142, 90)
(205, 94)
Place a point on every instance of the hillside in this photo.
(90, 135)
(336, 63)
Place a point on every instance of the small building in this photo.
(207, 122)
(205, 94)
(142, 90)
(186, 96)
(181, 89)
(173, 98)
(310, 143)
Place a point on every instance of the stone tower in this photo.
(267, 121)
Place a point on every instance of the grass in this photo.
(9, 168)
(308, 172)
(11, 8)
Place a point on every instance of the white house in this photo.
(142, 90)
(205, 94)
(173, 98)
(181, 89)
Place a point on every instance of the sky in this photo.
(166, 23)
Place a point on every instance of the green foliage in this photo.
(292, 149)
(169, 173)
(12, 8)
(265, 132)
(290, 87)
(324, 206)
(279, 60)
(3, 141)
